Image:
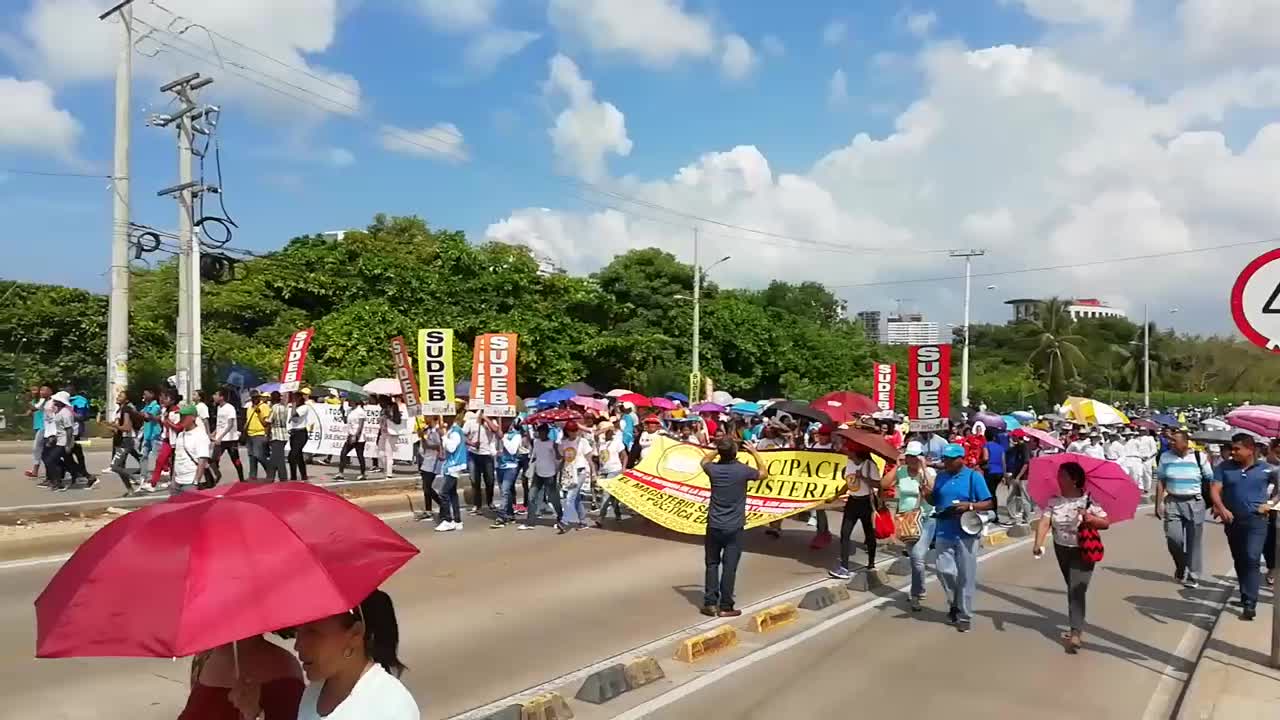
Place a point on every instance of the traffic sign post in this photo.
(1255, 301)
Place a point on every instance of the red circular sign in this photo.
(1255, 301)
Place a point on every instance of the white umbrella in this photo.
(618, 392)
(1215, 424)
(720, 397)
(383, 386)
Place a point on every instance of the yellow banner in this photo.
(669, 487)
(435, 371)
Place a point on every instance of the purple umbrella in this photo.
(708, 407)
(1261, 419)
(991, 421)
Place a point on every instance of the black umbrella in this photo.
(796, 408)
(1217, 437)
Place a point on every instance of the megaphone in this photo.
(972, 522)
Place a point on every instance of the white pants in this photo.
(387, 452)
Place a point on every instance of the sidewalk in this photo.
(1233, 680)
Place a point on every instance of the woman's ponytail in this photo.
(381, 632)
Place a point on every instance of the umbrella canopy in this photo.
(870, 441)
(708, 407)
(1023, 417)
(746, 408)
(1215, 424)
(1011, 422)
(720, 397)
(798, 409)
(677, 396)
(1165, 419)
(1145, 424)
(618, 392)
(207, 568)
(581, 388)
(1105, 482)
(268, 387)
(1093, 412)
(597, 404)
(635, 399)
(383, 386)
(1261, 419)
(1221, 437)
(1044, 437)
(991, 420)
(552, 397)
(662, 403)
(345, 386)
(844, 405)
(462, 388)
(554, 415)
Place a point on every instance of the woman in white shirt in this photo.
(612, 455)
(390, 425)
(863, 477)
(299, 432)
(351, 666)
(1064, 514)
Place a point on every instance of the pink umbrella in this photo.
(1044, 437)
(662, 403)
(1261, 419)
(591, 403)
(1105, 482)
(708, 407)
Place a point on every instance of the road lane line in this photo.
(1173, 682)
(702, 681)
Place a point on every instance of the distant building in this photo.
(1028, 309)
(898, 329)
(334, 235)
(871, 321)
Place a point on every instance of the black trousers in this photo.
(297, 464)
(483, 469)
(858, 509)
(55, 464)
(347, 447)
(214, 470)
(429, 494)
(723, 551)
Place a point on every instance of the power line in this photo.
(44, 173)
(1066, 266)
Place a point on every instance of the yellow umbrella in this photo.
(1092, 412)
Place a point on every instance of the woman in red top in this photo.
(268, 673)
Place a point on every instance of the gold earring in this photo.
(348, 653)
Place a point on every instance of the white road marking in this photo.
(1194, 638)
(702, 681)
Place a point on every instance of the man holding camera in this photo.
(726, 519)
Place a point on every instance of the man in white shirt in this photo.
(612, 454)
(59, 436)
(648, 435)
(1131, 459)
(1094, 447)
(1113, 449)
(356, 417)
(577, 470)
(546, 485)
(483, 435)
(192, 449)
(226, 435)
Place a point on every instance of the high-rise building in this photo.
(898, 328)
(872, 324)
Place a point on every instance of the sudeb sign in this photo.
(930, 386)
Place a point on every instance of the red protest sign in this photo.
(295, 358)
(493, 375)
(929, 379)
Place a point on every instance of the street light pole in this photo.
(968, 256)
(1146, 357)
(697, 308)
(118, 304)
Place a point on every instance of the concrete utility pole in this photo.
(697, 311)
(1146, 357)
(188, 347)
(118, 304)
(968, 256)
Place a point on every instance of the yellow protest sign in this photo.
(669, 487)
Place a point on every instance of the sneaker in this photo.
(1191, 582)
(1179, 576)
(915, 604)
(93, 482)
(1248, 614)
(163, 486)
(730, 613)
(840, 573)
(474, 511)
(953, 615)
(497, 524)
(964, 626)
(522, 526)
(339, 477)
(424, 517)
(561, 529)
(709, 611)
(61, 489)
(361, 477)
(813, 521)
(820, 541)
(444, 526)
(521, 509)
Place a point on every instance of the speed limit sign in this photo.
(1255, 301)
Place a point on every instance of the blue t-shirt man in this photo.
(956, 485)
(1243, 489)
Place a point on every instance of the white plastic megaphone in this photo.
(972, 522)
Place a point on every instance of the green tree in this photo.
(1057, 354)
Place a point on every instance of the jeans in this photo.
(297, 465)
(723, 551)
(1184, 532)
(606, 499)
(450, 508)
(429, 494)
(347, 447)
(543, 488)
(276, 470)
(957, 566)
(1076, 573)
(54, 458)
(120, 460)
(256, 446)
(858, 509)
(918, 552)
(575, 502)
(1245, 536)
(37, 449)
(507, 506)
(482, 469)
(1269, 547)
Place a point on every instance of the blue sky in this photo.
(922, 81)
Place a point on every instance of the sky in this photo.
(1127, 150)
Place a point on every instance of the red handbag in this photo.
(884, 524)
(1088, 539)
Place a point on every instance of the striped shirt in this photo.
(279, 422)
(1182, 474)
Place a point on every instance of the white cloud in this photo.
(657, 33)
(442, 141)
(339, 157)
(737, 60)
(921, 23)
(62, 41)
(587, 129)
(458, 14)
(1111, 13)
(1227, 29)
(1008, 148)
(835, 32)
(489, 48)
(838, 88)
(30, 120)
(773, 45)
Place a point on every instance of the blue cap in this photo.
(953, 450)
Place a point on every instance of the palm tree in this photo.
(1131, 355)
(1057, 355)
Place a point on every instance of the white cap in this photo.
(915, 448)
(61, 396)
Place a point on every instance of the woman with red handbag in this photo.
(1076, 523)
(863, 478)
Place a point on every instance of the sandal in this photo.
(1071, 642)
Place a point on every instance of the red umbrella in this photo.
(871, 441)
(635, 399)
(554, 415)
(844, 406)
(208, 568)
